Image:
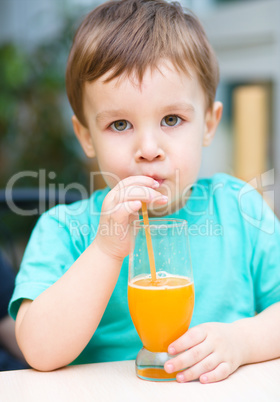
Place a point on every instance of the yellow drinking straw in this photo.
(149, 242)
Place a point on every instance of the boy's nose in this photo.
(149, 149)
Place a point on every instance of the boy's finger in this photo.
(137, 181)
(130, 201)
(192, 337)
(198, 370)
(126, 210)
(132, 206)
(139, 193)
(190, 358)
(221, 372)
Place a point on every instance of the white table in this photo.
(117, 382)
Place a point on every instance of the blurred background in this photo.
(36, 135)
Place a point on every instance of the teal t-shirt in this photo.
(235, 250)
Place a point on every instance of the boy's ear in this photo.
(84, 137)
(212, 120)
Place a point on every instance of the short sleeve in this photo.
(49, 253)
(60, 236)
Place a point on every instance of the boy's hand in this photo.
(120, 208)
(209, 352)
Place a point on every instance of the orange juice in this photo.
(161, 310)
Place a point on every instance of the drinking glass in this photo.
(161, 307)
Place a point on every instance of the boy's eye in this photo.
(120, 125)
(171, 120)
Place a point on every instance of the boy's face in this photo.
(156, 129)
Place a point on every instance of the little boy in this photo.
(141, 79)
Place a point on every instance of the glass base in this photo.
(149, 366)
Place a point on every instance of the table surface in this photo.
(117, 381)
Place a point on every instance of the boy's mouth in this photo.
(156, 178)
(160, 181)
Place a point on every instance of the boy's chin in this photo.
(158, 211)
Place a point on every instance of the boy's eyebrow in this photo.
(116, 113)
(186, 107)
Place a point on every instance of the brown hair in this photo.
(125, 36)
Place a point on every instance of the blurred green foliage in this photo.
(35, 127)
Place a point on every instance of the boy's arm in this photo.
(215, 350)
(54, 329)
(260, 335)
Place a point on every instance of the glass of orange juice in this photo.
(161, 303)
